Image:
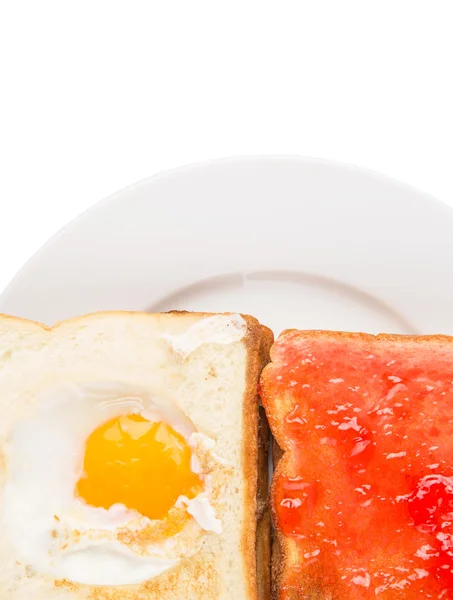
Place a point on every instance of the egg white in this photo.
(53, 530)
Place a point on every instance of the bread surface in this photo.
(215, 385)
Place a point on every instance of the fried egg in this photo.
(107, 485)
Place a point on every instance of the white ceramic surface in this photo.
(295, 242)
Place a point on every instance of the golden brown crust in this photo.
(263, 517)
(277, 539)
(284, 551)
(277, 564)
(258, 341)
(263, 458)
(263, 556)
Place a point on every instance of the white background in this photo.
(96, 95)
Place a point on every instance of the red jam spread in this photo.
(365, 490)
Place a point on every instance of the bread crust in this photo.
(263, 517)
(256, 522)
(256, 527)
(284, 549)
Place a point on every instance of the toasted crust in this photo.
(276, 542)
(256, 531)
(256, 521)
(285, 553)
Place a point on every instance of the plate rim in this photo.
(429, 201)
(99, 204)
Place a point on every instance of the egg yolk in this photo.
(142, 464)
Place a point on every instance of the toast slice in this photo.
(362, 495)
(93, 404)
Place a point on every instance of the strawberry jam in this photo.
(364, 492)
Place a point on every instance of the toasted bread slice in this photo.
(198, 374)
(362, 495)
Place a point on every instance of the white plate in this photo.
(296, 242)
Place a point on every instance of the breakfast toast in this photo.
(132, 459)
(362, 494)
